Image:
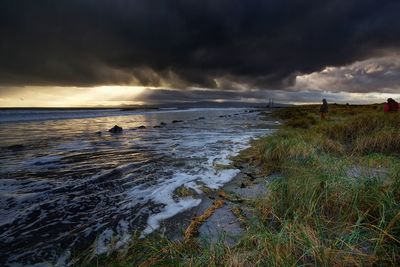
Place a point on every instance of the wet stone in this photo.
(222, 225)
(251, 191)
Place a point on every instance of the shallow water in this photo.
(69, 186)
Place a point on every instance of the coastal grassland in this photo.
(337, 202)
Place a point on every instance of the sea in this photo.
(68, 185)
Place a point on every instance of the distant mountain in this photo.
(208, 104)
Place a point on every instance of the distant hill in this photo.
(208, 104)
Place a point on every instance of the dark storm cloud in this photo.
(230, 44)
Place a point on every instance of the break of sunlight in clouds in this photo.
(368, 76)
(36, 96)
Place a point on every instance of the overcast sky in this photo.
(98, 52)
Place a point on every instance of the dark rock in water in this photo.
(115, 129)
(17, 147)
(98, 133)
(221, 116)
(201, 118)
(162, 124)
(176, 121)
(142, 127)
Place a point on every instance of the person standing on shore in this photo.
(323, 109)
(391, 106)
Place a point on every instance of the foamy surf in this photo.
(99, 192)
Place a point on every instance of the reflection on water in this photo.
(66, 183)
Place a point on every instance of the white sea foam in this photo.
(136, 190)
(209, 177)
(103, 240)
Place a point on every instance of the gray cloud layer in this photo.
(225, 44)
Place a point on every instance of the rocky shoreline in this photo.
(226, 223)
